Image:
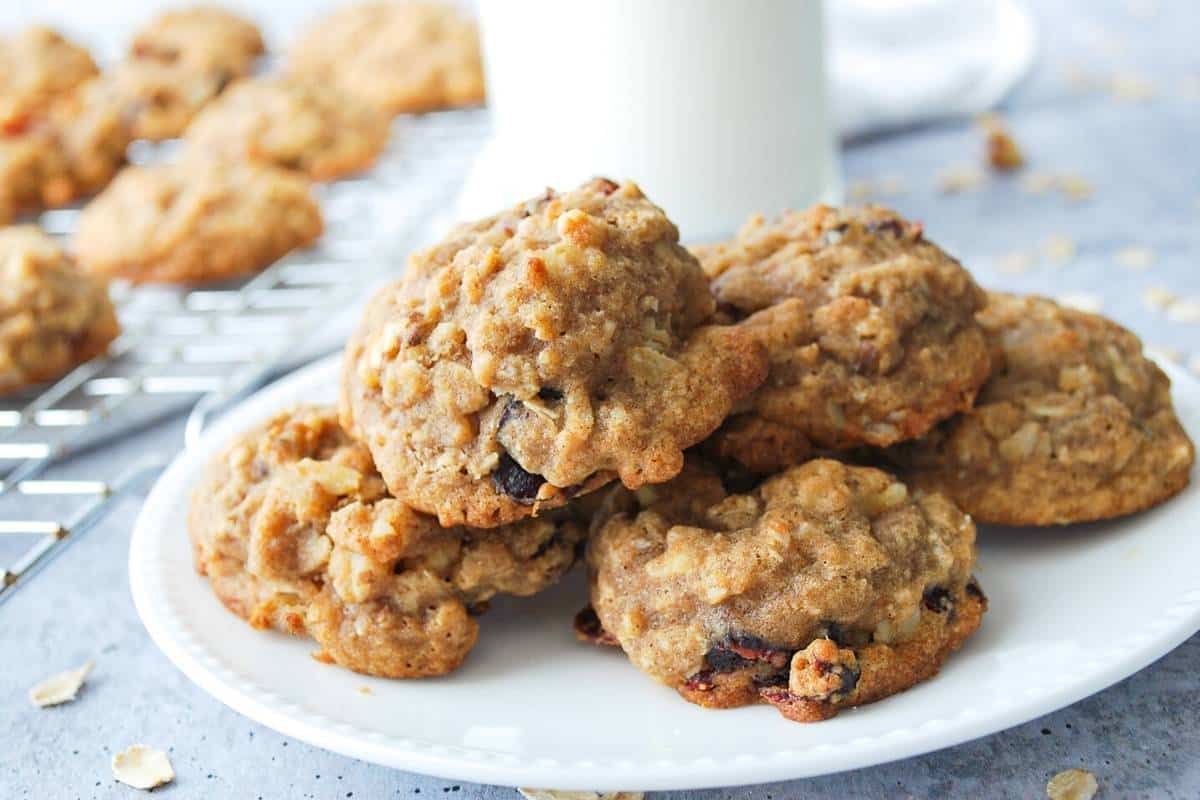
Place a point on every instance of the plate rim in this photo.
(1178, 622)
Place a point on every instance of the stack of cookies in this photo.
(771, 451)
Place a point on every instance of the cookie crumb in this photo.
(142, 767)
(1135, 257)
(1003, 153)
(560, 794)
(1059, 249)
(1072, 784)
(1089, 302)
(365, 690)
(959, 178)
(60, 688)
(1186, 311)
(1157, 298)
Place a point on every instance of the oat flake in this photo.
(60, 688)
(1157, 297)
(1072, 784)
(1186, 311)
(559, 794)
(1059, 249)
(142, 767)
(1014, 263)
(959, 178)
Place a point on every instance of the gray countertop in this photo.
(1140, 737)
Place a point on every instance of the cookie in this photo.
(37, 66)
(180, 62)
(539, 353)
(397, 57)
(295, 530)
(53, 317)
(33, 173)
(202, 38)
(196, 221)
(869, 325)
(827, 586)
(1075, 425)
(291, 124)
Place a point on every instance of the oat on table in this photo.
(870, 329)
(293, 124)
(52, 315)
(1076, 424)
(37, 66)
(396, 56)
(196, 221)
(537, 354)
(823, 587)
(295, 530)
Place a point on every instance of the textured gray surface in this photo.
(1141, 737)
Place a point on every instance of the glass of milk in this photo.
(718, 109)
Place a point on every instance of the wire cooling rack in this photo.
(205, 347)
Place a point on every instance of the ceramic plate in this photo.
(1072, 611)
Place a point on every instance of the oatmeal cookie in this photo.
(826, 586)
(195, 221)
(52, 316)
(398, 57)
(37, 66)
(161, 99)
(537, 354)
(292, 124)
(202, 38)
(33, 173)
(295, 530)
(870, 329)
(1075, 425)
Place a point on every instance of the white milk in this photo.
(716, 108)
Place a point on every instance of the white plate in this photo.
(1072, 611)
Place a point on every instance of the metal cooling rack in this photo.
(203, 348)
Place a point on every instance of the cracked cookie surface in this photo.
(195, 221)
(869, 326)
(397, 57)
(537, 354)
(1076, 424)
(291, 124)
(52, 315)
(295, 531)
(826, 586)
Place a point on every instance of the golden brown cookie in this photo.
(396, 56)
(537, 354)
(870, 329)
(291, 124)
(33, 173)
(37, 66)
(196, 221)
(295, 531)
(1076, 424)
(53, 317)
(201, 37)
(179, 63)
(824, 587)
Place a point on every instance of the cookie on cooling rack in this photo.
(196, 221)
(1076, 424)
(535, 355)
(52, 316)
(179, 63)
(869, 325)
(295, 531)
(824, 587)
(37, 66)
(291, 124)
(398, 57)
